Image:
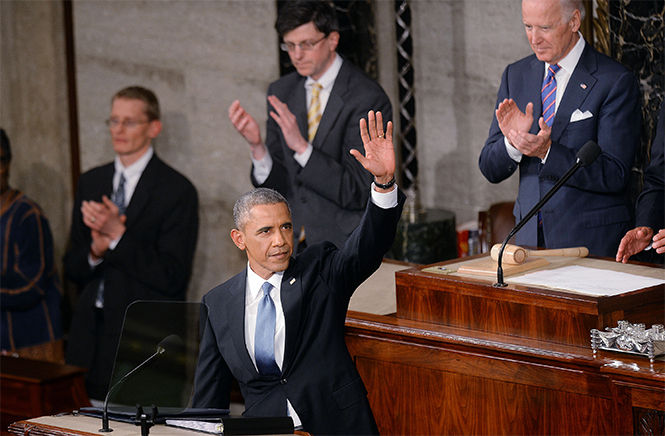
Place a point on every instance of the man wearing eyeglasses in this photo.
(133, 235)
(312, 124)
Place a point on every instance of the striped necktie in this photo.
(548, 94)
(314, 112)
(264, 336)
(118, 197)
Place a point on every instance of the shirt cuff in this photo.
(114, 243)
(513, 153)
(303, 158)
(385, 200)
(546, 154)
(92, 262)
(261, 168)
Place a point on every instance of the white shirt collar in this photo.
(569, 62)
(135, 169)
(254, 282)
(328, 78)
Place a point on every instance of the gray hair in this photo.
(255, 197)
(568, 7)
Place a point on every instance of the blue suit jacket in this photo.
(650, 208)
(327, 196)
(593, 208)
(318, 376)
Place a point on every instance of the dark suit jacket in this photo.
(329, 194)
(318, 375)
(152, 261)
(651, 202)
(593, 208)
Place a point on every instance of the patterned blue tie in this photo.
(118, 197)
(548, 94)
(264, 336)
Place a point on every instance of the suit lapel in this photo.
(291, 297)
(235, 312)
(334, 106)
(579, 86)
(297, 103)
(534, 85)
(144, 188)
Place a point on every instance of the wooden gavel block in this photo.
(514, 254)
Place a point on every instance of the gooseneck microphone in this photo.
(585, 156)
(169, 343)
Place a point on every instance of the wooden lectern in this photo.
(463, 357)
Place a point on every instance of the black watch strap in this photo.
(385, 186)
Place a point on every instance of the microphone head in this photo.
(169, 343)
(588, 153)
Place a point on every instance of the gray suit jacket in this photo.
(329, 194)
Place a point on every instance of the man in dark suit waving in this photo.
(133, 234)
(548, 106)
(313, 116)
(278, 326)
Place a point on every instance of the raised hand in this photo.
(379, 158)
(510, 117)
(247, 126)
(288, 125)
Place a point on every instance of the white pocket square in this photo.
(578, 115)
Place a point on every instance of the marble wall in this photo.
(33, 107)
(199, 55)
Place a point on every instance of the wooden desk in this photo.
(67, 425)
(447, 375)
(31, 388)
(79, 425)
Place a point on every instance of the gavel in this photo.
(514, 254)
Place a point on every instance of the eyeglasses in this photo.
(127, 124)
(305, 45)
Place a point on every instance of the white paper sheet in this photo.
(584, 280)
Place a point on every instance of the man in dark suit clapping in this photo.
(548, 106)
(313, 116)
(133, 235)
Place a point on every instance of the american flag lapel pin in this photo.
(583, 85)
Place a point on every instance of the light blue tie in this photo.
(118, 196)
(264, 336)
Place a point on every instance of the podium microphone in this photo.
(585, 156)
(167, 344)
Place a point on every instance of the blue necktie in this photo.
(264, 336)
(118, 197)
(548, 94)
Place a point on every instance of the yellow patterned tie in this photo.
(314, 112)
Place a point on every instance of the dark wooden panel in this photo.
(427, 378)
(546, 315)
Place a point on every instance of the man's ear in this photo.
(575, 21)
(333, 40)
(238, 238)
(154, 128)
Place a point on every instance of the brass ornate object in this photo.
(630, 338)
